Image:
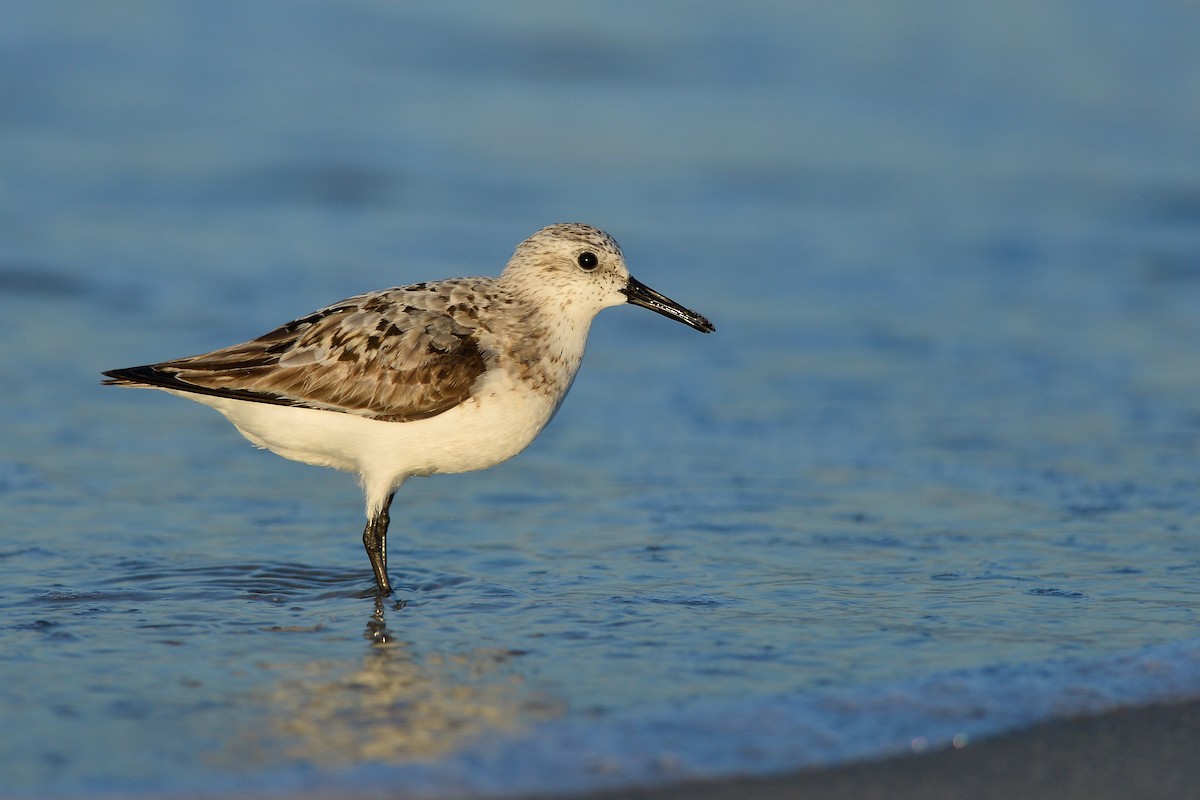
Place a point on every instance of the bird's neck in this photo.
(549, 347)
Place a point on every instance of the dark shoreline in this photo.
(1143, 752)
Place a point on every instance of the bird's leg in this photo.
(375, 540)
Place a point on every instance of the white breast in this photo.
(498, 422)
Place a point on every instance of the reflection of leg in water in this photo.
(377, 632)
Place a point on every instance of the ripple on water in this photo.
(701, 600)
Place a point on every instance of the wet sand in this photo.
(1144, 752)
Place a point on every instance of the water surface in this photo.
(934, 476)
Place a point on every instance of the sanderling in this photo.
(440, 377)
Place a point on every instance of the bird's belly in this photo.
(479, 433)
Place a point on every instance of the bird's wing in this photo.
(397, 355)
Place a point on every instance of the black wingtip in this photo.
(147, 375)
(152, 376)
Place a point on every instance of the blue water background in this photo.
(935, 475)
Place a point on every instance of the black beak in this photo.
(642, 295)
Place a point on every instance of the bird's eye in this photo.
(587, 260)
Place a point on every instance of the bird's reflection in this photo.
(396, 705)
(377, 632)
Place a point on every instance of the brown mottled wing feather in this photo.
(398, 355)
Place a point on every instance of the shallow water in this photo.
(934, 476)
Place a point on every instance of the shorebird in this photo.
(438, 377)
